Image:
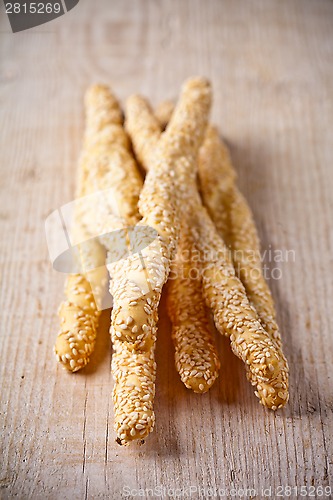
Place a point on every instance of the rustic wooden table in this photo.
(271, 65)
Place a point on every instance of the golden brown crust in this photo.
(133, 393)
(234, 220)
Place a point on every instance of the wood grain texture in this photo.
(271, 65)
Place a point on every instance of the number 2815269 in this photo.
(32, 8)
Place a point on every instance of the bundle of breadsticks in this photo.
(186, 224)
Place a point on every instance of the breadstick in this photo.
(133, 361)
(235, 317)
(79, 314)
(146, 138)
(135, 315)
(113, 168)
(112, 171)
(195, 352)
(234, 220)
(196, 357)
(267, 367)
(133, 393)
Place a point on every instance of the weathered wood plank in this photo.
(271, 67)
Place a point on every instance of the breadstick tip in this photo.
(197, 83)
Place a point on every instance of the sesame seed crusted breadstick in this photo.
(234, 220)
(196, 357)
(104, 164)
(79, 314)
(133, 393)
(112, 168)
(233, 314)
(195, 352)
(235, 317)
(112, 171)
(146, 137)
(136, 318)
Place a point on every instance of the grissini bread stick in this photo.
(104, 162)
(133, 393)
(195, 352)
(234, 316)
(112, 167)
(103, 132)
(196, 357)
(135, 314)
(146, 137)
(79, 314)
(216, 175)
(113, 171)
(233, 218)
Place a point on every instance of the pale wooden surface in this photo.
(271, 64)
